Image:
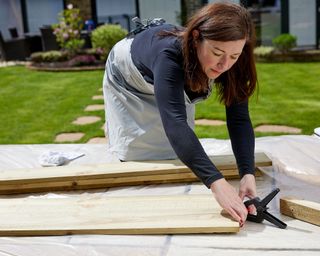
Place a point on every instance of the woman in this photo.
(153, 79)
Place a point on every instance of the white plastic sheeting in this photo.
(296, 171)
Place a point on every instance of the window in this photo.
(266, 15)
(10, 17)
(42, 12)
(116, 12)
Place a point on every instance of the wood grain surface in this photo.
(172, 214)
(110, 175)
(301, 209)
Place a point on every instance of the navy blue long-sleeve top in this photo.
(159, 59)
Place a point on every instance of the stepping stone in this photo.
(277, 128)
(209, 122)
(98, 140)
(97, 97)
(86, 120)
(69, 137)
(94, 107)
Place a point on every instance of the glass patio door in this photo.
(302, 21)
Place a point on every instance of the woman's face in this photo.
(217, 57)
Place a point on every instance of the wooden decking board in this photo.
(125, 169)
(108, 175)
(75, 184)
(174, 214)
(301, 209)
(95, 183)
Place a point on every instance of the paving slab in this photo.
(209, 122)
(97, 97)
(83, 120)
(277, 128)
(69, 137)
(94, 107)
(98, 140)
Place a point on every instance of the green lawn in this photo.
(289, 94)
(36, 106)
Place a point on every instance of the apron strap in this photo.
(140, 26)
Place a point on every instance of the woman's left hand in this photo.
(248, 189)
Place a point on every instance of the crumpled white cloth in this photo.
(317, 131)
(55, 158)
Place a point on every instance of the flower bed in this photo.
(292, 56)
(60, 61)
(56, 66)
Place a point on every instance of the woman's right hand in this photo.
(229, 200)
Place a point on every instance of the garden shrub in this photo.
(95, 52)
(49, 56)
(285, 42)
(106, 36)
(68, 30)
(263, 50)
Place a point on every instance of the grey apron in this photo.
(133, 124)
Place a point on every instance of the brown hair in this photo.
(221, 22)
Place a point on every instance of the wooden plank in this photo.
(301, 209)
(7, 189)
(112, 170)
(95, 183)
(108, 175)
(174, 214)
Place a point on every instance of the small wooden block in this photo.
(301, 209)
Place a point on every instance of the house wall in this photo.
(267, 16)
(42, 12)
(302, 16)
(169, 10)
(116, 12)
(10, 16)
(122, 11)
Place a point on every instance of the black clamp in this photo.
(262, 213)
